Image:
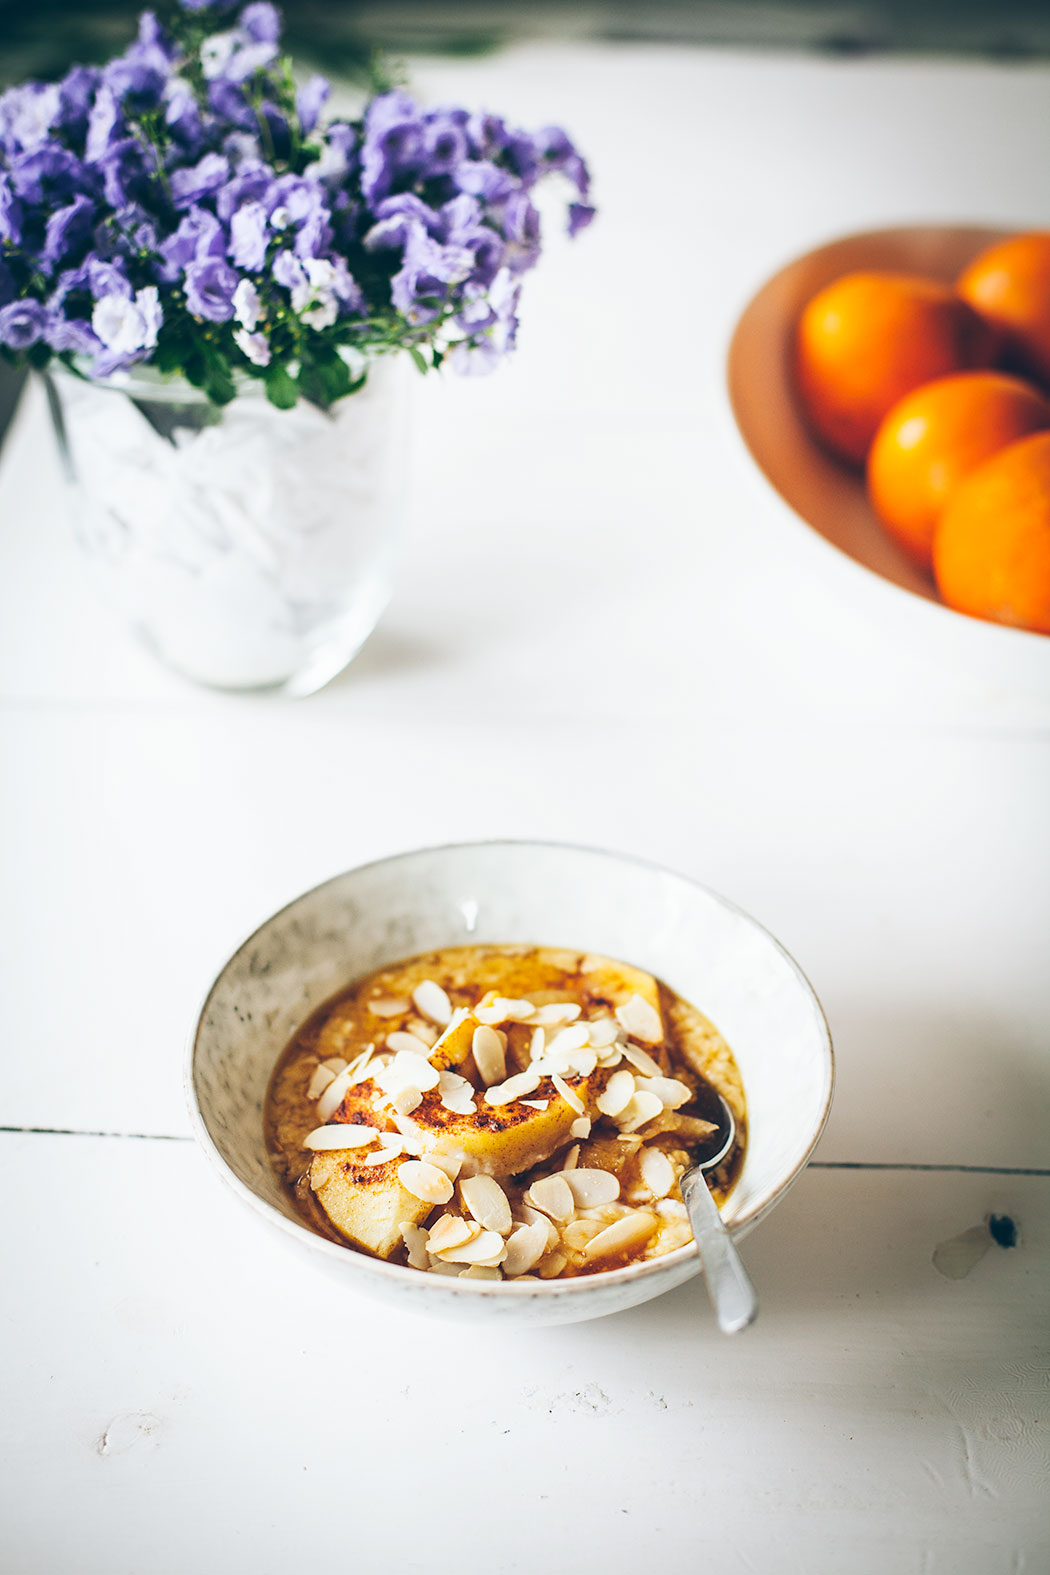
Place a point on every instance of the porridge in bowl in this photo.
(503, 1112)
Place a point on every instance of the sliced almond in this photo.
(486, 1250)
(486, 1200)
(335, 1064)
(406, 1100)
(451, 1231)
(642, 1060)
(505, 1009)
(415, 1239)
(656, 1171)
(591, 1188)
(388, 1006)
(669, 1091)
(641, 1020)
(617, 1093)
(533, 1216)
(550, 1267)
(537, 1043)
(602, 1033)
(456, 1093)
(404, 1041)
(319, 1082)
(642, 1108)
(624, 1235)
(570, 1096)
(451, 1164)
(342, 1134)
(536, 1104)
(672, 1208)
(425, 1182)
(391, 1149)
(552, 1196)
(409, 1069)
(525, 1248)
(555, 1013)
(569, 1162)
(428, 1032)
(481, 1271)
(431, 1001)
(490, 1056)
(581, 1128)
(514, 1088)
(578, 1233)
(334, 1095)
(566, 1040)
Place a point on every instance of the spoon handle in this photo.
(731, 1292)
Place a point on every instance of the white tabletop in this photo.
(604, 631)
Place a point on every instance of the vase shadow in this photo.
(388, 653)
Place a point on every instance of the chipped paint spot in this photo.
(955, 1257)
(126, 1430)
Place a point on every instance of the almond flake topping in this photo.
(525, 1248)
(570, 1096)
(552, 1196)
(641, 1020)
(581, 1128)
(503, 1009)
(406, 1100)
(657, 1171)
(668, 1090)
(513, 1088)
(410, 1044)
(456, 1093)
(569, 1163)
(450, 1231)
(451, 1164)
(486, 1250)
(424, 1181)
(557, 1012)
(430, 1000)
(319, 1082)
(486, 1200)
(642, 1060)
(603, 1032)
(343, 1134)
(408, 1069)
(335, 1064)
(537, 1044)
(334, 1095)
(623, 1235)
(415, 1239)
(566, 1040)
(617, 1093)
(387, 1006)
(591, 1188)
(536, 1104)
(490, 1056)
(642, 1108)
(481, 1271)
(428, 1032)
(391, 1148)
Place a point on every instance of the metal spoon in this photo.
(731, 1292)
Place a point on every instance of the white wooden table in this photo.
(603, 632)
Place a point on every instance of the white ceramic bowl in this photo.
(512, 892)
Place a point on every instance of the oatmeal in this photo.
(503, 1113)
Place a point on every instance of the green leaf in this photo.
(419, 358)
(281, 389)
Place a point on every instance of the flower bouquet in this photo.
(187, 226)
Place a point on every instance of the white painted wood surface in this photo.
(602, 633)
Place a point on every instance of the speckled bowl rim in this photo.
(395, 1273)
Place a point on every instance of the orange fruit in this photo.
(868, 339)
(991, 550)
(1009, 284)
(934, 437)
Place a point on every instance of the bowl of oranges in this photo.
(894, 388)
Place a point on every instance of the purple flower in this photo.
(421, 284)
(310, 100)
(315, 236)
(248, 236)
(125, 326)
(71, 334)
(67, 229)
(21, 324)
(10, 212)
(444, 145)
(338, 154)
(487, 134)
(76, 94)
(393, 143)
(182, 115)
(27, 115)
(261, 22)
(103, 123)
(288, 270)
(199, 235)
(580, 215)
(199, 180)
(210, 284)
(128, 170)
(521, 229)
(255, 346)
(251, 186)
(292, 199)
(557, 152)
(106, 278)
(396, 217)
(483, 179)
(47, 173)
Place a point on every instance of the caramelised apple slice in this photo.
(367, 1203)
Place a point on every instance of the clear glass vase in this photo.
(248, 547)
